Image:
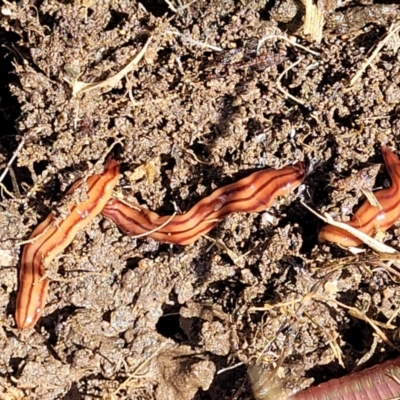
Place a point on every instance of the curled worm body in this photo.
(368, 218)
(51, 237)
(381, 382)
(252, 194)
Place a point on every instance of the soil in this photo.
(135, 319)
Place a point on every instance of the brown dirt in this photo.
(135, 319)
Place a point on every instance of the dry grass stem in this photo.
(194, 42)
(219, 243)
(366, 239)
(17, 151)
(369, 194)
(356, 313)
(292, 315)
(395, 314)
(33, 240)
(266, 347)
(142, 103)
(229, 368)
(79, 87)
(4, 189)
(283, 304)
(353, 311)
(337, 352)
(265, 38)
(284, 91)
(392, 30)
(135, 373)
(180, 8)
(380, 266)
(171, 6)
(156, 229)
(374, 260)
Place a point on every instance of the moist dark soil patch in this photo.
(136, 319)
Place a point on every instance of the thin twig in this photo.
(392, 30)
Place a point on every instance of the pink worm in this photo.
(380, 382)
